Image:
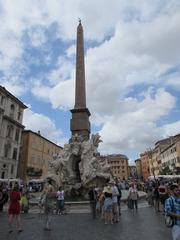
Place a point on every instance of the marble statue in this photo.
(78, 162)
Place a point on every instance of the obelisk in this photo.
(80, 114)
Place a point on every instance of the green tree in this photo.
(165, 171)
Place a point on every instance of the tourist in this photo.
(60, 201)
(115, 194)
(119, 187)
(150, 196)
(163, 195)
(172, 208)
(48, 200)
(101, 203)
(156, 197)
(24, 201)
(93, 201)
(133, 197)
(108, 205)
(14, 208)
(3, 197)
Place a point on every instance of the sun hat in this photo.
(107, 190)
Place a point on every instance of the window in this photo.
(33, 159)
(3, 174)
(17, 135)
(12, 109)
(19, 115)
(7, 148)
(15, 154)
(2, 100)
(12, 169)
(9, 131)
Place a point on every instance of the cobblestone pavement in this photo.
(145, 225)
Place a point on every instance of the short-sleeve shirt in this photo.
(60, 195)
(172, 204)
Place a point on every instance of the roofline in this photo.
(164, 139)
(13, 97)
(169, 146)
(137, 160)
(115, 155)
(39, 135)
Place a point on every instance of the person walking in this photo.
(14, 209)
(172, 208)
(156, 198)
(115, 194)
(48, 198)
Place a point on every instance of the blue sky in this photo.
(132, 61)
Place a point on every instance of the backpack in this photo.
(169, 221)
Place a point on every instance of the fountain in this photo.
(77, 167)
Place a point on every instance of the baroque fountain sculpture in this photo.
(77, 166)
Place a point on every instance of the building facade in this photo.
(35, 155)
(118, 164)
(138, 168)
(11, 116)
(145, 165)
(158, 159)
(170, 157)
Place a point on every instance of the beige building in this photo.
(138, 168)
(11, 116)
(35, 155)
(170, 156)
(118, 164)
(145, 165)
(160, 146)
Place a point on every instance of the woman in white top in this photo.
(60, 200)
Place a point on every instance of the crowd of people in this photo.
(164, 195)
(105, 201)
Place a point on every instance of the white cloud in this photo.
(135, 129)
(174, 82)
(171, 129)
(71, 51)
(41, 92)
(62, 71)
(62, 95)
(39, 122)
(37, 36)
